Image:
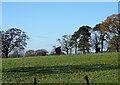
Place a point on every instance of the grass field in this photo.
(100, 68)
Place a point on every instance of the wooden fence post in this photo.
(34, 81)
(87, 80)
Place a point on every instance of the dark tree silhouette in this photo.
(13, 38)
(84, 38)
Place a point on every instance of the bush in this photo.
(30, 53)
(41, 52)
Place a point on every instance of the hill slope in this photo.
(100, 68)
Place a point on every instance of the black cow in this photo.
(97, 50)
(58, 50)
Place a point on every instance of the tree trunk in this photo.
(67, 50)
(6, 54)
(96, 49)
(83, 50)
(102, 44)
(96, 45)
(88, 50)
(70, 50)
(117, 49)
(75, 49)
(87, 46)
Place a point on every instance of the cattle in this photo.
(97, 50)
(58, 50)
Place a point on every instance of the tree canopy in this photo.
(13, 39)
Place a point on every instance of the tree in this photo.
(114, 44)
(80, 39)
(53, 50)
(1, 43)
(100, 36)
(65, 42)
(112, 24)
(41, 52)
(15, 55)
(30, 53)
(16, 52)
(13, 38)
(84, 38)
(74, 40)
(95, 42)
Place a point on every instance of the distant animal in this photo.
(97, 50)
(58, 50)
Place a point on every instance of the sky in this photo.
(45, 22)
(60, 0)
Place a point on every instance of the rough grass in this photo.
(100, 68)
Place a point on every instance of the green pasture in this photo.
(100, 68)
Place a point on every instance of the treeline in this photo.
(39, 52)
(104, 37)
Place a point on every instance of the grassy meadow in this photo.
(100, 68)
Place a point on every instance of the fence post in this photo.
(87, 80)
(34, 81)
